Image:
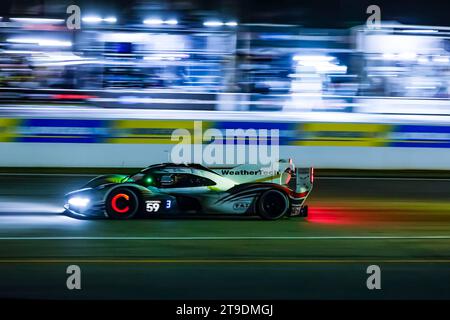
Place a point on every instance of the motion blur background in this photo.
(315, 70)
(227, 55)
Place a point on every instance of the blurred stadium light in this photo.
(254, 67)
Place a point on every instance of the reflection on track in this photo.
(17, 207)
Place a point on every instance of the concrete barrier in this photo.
(62, 142)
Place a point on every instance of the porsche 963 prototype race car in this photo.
(170, 189)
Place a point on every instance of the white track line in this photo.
(441, 237)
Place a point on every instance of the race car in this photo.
(171, 189)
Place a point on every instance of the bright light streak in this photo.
(423, 60)
(312, 58)
(79, 202)
(420, 31)
(37, 20)
(21, 52)
(171, 22)
(213, 24)
(407, 56)
(32, 220)
(441, 59)
(59, 57)
(11, 207)
(54, 43)
(389, 56)
(231, 24)
(123, 37)
(110, 19)
(167, 56)
(92, 19)
(41, 42)
(322, 64)
(153, 22)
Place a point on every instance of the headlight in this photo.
(79, 202)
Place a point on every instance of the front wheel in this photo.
(121, 204)
(272, 205)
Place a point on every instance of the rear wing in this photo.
(302, 180)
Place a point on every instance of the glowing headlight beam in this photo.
(79, 201)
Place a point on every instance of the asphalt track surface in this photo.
(401, 225)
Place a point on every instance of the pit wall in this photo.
(46, 142)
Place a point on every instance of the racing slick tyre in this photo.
(121, 204)
(272, 204)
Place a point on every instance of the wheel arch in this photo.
(139, 191)
(278, 188)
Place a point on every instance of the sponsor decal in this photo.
(241, 205)
(245, 172)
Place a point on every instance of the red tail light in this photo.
(311, 175)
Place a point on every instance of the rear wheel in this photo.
(273, 204)
(122, 204)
